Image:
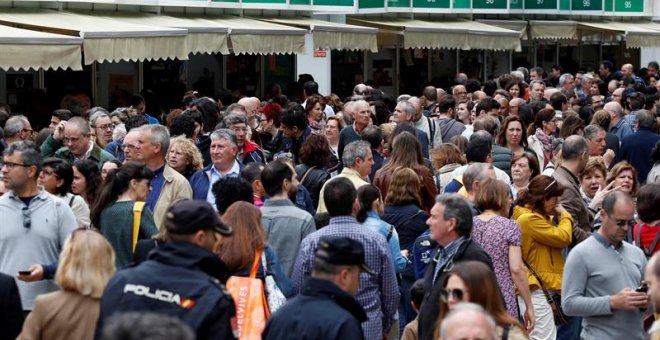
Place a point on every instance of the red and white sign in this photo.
(320, 53)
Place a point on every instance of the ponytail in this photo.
(367, 195)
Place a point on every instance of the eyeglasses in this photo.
(549, 185)
(27, 221)
(623, 223)
(130, 147)
(27, 130)
(49, 172)
(458, 294)
(12, 165)
(106, 127)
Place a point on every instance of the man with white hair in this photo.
(460, 93)
(618, 125)
(18, 128)
(468, 321)
(567, 82)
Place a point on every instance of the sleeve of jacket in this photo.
(543, 232)
(33, 323)
(303, 266)
(81, 211)
(218, 324)
(399, 260)
(148, 227)
(350, 330)
(389, 288)
(50, 146)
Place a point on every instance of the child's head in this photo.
(417, 294)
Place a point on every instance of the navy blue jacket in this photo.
(201, 180)
(321, 311)
(409, 221)
(180, 280)
(11, 309)
(636, 149)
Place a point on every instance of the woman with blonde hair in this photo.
(239, 251)
(184, 156)
(86, 264)
(446, 158)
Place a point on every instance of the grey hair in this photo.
(80, 123)
(457, 207)
(225, 134)
(99, 113)
(518, 75)
(159, 135)
(565, 77)
(534, 82)
(468, 307)
(475, 172)
(354, 150)
(590, 131)
(29, 152)
(574, 146)
(234, 118)
(403, 97)
(15, 124)
(121, 113)
(587, 76)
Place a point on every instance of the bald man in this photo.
(251, 105)
(618, 125)
(628, 72)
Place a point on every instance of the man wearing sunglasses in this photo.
(34, 222)
(603, 276)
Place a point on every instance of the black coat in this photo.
(321, 311)
(11, 309)
(312, 178)
(430, 311)
(409, 221)
(180, 280)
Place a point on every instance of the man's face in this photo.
(353, 280)
(627, 71)
(586, 86)
(604, 72)
(475, 327)
(240, 130)
(104, 128)
(514, 107)
(616, 95)
(132, 147)
(76, 141)
(54, 121)
(537, 91)
(460, 93)
(362, 114)
(597, 144)
(15, 175)
(287, 131)
(533, 76)
(363, 166)
(439, 227)
(615, 226)
(555, 73)
(223, 153)
(149, 149)
(399, 115)
(597, 102)
(569, 84)
(140, 108)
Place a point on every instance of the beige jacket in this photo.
(176, 187)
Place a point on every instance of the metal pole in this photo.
(397, 68)
(485, 65)
(557, 53)
(534, 58)
(140, 75)
(458, 60)
(510, 60)
(94, 82)
(41, 79)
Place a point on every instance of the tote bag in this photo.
(250, 301)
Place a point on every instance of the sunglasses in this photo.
(27, 220)
(623, 223)
(458, 294)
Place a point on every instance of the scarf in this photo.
(546, 141)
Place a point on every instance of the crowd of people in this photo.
(521, 207)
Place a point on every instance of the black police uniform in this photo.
(180, 280)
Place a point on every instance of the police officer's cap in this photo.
(342, 251)
(187, 216)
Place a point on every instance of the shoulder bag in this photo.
(250, 302)
(137, 215)
(274, 295)
(553, 297)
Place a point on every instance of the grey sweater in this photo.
(593, 272)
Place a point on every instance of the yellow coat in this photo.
(542, 244)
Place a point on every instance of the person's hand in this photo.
(405, 253)
(628, 299)
(530, 318)
(559, 208)
(36, 274)
(58, 134)
(600, 194)
(608, 157)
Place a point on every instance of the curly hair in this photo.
(446, 153)
(315, 151)
(187, 147)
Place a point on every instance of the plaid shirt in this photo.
(378, 294)
(445, 254)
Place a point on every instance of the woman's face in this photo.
(176, 159)
(48, 179)
(513, 133)
(625, 180)
(331, 129)
(462, 112)
(79, 184)
(550, 126)
(107, 166)
(316, 113)
(594, 89)
(550, 204)
(591, 181)
(455, 286)
(514, 91)
(473, 114)
(142, 189)
(520, 170)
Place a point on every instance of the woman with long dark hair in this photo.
(86, 180)
(113, 211)
(56, 177)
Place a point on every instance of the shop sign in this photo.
(320, 53)
(581, 5)
(444, 4)
(626, 6)
(371, 4)
(540, 4)
(489, 4)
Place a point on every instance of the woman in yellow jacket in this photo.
(543, 238)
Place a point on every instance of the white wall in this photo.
(318, 67)
(649, 54)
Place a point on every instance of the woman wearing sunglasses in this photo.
(546, 229)
(472, 281)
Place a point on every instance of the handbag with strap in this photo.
(274, 295)
(250, 302)
(553, 298)
(137, 215)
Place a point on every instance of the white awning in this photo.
(514, 25)
(552, 30)
(635, 34)
(456, 34)
(204, 36)
(335, 36)
(26, 49)
(103, 39)
(251, 36)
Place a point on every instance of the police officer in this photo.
(182, 278)
(326, 307)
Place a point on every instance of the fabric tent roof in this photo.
(335, 36)
(25, 49)
(455, 34)
(514, 25)
(104, 39)
(552, 30)
(252, 36)
(636, 34)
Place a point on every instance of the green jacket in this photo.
(51, 148)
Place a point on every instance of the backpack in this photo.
(638, 241)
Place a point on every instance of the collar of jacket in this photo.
(249, 146)
(326, 289)
(188, 255)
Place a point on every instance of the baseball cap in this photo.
(342, 251)
(190, 216)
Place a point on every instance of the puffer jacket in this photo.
(542, 244)
(502, 158)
